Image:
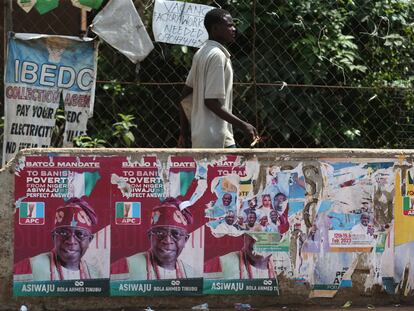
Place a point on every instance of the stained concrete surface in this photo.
(298, 308)
(292, 293)
(317, 307)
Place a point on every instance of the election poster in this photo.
(61, 226)
(181, 23)
(41, 72)
(351, 208)
(157, 224)
(157, 232)
(246, 230)
(352, 217)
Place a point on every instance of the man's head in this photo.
(229, 218)
(273, 216)
(266, 201)
(74, 222)
(169, 232)
(364, 219)
(240, 220)
(220, 26)
(251, 218)
(226, 199)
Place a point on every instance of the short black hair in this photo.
(213, 17)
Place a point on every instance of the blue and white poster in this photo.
(41, 72)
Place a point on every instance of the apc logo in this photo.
(32, 213)
(79, 283)
(175, 282)
(128, 213)
(267, 282)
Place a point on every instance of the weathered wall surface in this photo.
(326, 256)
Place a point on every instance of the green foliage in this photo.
(88, 142)
(364, 46)
(119, 136)
(316, 42)
(122, 130)
(59, 128)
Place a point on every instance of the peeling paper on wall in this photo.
(332, 271)
(201, 178)
(123, 186)
(404, 267)
(404, 235)
(252, 169)
(226, 162)
(348, 191)
(20, 166)
(19, 202)
(187, 179)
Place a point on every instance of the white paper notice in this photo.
(180, 23)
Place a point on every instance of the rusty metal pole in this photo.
(83, 24)
(8, 24)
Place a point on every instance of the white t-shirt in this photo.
(211, 77)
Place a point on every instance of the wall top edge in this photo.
(264, 153)
(301, 151)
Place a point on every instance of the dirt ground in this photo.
(396, 307)
(306, 308)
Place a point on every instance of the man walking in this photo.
(210, 81)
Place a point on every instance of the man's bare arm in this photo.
(183, 139)
(186, 91)
(215, 106)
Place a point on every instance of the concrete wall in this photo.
(376, 277)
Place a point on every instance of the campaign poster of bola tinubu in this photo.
(153, 225)
(61, 227)
(157, 231)
(247, 233)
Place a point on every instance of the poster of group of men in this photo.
(176, 225)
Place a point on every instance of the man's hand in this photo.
(250, 131)
(215, 106)
(181, 142)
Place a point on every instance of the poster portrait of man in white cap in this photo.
(168, 235)
(73, 231)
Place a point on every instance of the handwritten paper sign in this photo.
(179, 23)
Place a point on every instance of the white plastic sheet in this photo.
(119, 24)
(26, 5)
